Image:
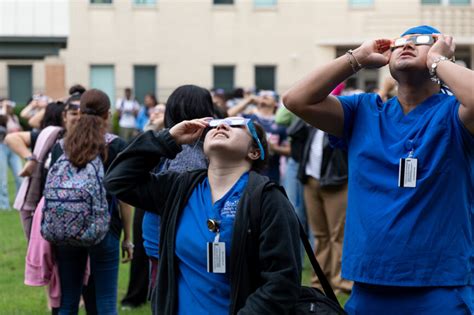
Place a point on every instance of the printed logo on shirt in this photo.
(230, 206)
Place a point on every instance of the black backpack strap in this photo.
(255, 216)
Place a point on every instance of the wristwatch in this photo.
(434, 66)
(32, 158)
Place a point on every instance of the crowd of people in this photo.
(180, 178)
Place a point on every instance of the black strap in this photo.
(255, 207)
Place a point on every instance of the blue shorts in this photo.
(374, 299)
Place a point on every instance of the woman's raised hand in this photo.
(188, 131)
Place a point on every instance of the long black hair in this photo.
(53, 115)
(188, 102)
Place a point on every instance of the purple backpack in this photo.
(76, 211)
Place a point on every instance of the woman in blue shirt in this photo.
(207, 264)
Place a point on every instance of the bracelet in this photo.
(434, 66)
(32, 158)
(128, 245)
(356, 66)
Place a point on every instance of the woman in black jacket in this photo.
(209, 211)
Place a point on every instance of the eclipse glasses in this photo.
(415, 39)
(240, 122)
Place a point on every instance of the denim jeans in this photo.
(294, 190)
(104, 263)
(8, 159)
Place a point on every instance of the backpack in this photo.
(76, 211)
(311, 300)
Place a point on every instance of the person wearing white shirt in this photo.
(128, 109)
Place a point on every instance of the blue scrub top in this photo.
(151, 233)
(142, 118)
(407, 236)
(200, 292)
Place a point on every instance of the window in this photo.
(265, 78)
(265, 3)
(223, 1)
(20, 83)
(224, 78)
(463, 56)
(365, 79)
(144, 2)
(447, 2)
(144, 81)
(361, 3)
(103, 78)
(100, 1)
(460, 2)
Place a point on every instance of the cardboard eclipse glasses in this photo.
(416, 39)
(240, 122)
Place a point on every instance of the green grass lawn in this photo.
(19, 299)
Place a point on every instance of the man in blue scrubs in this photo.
(409, 239)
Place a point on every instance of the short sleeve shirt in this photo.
(407, 236)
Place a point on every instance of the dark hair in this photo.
(153, 97)
(86, 140)
(76, 92)
(260, 165)
(76, 89)
(238, 93)
(3, 121)
(188, 102)
(53, 115)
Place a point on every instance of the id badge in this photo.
(216, 257)
(407, 173)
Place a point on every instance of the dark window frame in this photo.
(223, 2)
(138, 94)
(100, 2)
(258, 85)
(226, 87)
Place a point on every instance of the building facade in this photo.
(157, 45)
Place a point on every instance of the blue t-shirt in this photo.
(200, 292)
(407, 236)
(142, 118)
(272, 129)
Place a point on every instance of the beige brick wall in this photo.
(55, 80)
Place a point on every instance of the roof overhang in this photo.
(30, 47)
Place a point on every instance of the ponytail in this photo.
(86, 139)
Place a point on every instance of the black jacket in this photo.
(270, 286)
(334, 167)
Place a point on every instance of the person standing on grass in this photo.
(127, 108)
(206, 213)
(185, 103)
(9, 159)
(4, 198)
(23, 143)
(84, 141)
(408, 240)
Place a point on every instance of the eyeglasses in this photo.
(416, 39)
(240, 122)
